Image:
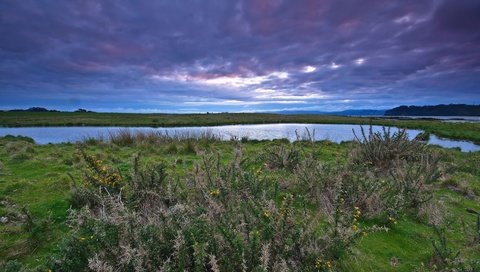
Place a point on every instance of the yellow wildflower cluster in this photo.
(319, 263)
(215, 192)
(356, 216)
(287, 203)
(392, 220)
(85, 238)
(101, 175)
(266, 214)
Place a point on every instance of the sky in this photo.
(238, 56)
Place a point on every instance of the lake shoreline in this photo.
(469, 131)
(258, 132)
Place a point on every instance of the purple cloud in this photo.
(181, 56)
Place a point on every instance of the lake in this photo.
(334, 133)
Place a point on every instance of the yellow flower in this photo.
(393, 220)
(329, 264)
(82, 238)
(355, 227)
(266, 214)
(318, 263)
(215, 192)
(364, 233)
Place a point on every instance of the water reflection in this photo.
(334, 133)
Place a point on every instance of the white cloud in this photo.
(241, 102)
(261, 94)
(223, 81)
(404, 19)
(309, 69)
(359, 61)
(335, 66)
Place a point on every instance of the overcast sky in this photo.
(252, 55)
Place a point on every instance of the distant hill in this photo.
(36, 109)
(438, 110)
(342, 113)
(40, 109)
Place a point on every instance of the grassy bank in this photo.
(190, 203)
(462, 131)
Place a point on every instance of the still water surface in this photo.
(334, 133)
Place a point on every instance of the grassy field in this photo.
(463, 131)
(335, 207)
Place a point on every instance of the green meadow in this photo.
(146, 202)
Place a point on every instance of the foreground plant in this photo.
(224, 218)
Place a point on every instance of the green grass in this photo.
(463, 131)
(41, 183)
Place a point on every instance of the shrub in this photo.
(392, 174)
(15, 266)
(382, 149)
(224, 218)
(20, 150)
(281, 157)
(312, 177)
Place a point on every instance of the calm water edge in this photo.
(334, 133)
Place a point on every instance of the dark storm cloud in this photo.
(238, 55)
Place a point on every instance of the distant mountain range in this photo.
(438, 110)
(341, 113)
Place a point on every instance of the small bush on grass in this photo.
(382, 149)
(20, 150)
(281, 157)
(394, 174)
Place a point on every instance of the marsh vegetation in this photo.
(149, 202)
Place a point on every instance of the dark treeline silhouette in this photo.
(438, 110)
(40, 109)
(35, 109)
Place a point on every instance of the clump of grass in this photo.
(20, 150)
(127, 137)
(172, 148)
(92, 140)
(189, 148)
(307, 135)
(423, 136)
(122, 137)
(281, 157)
